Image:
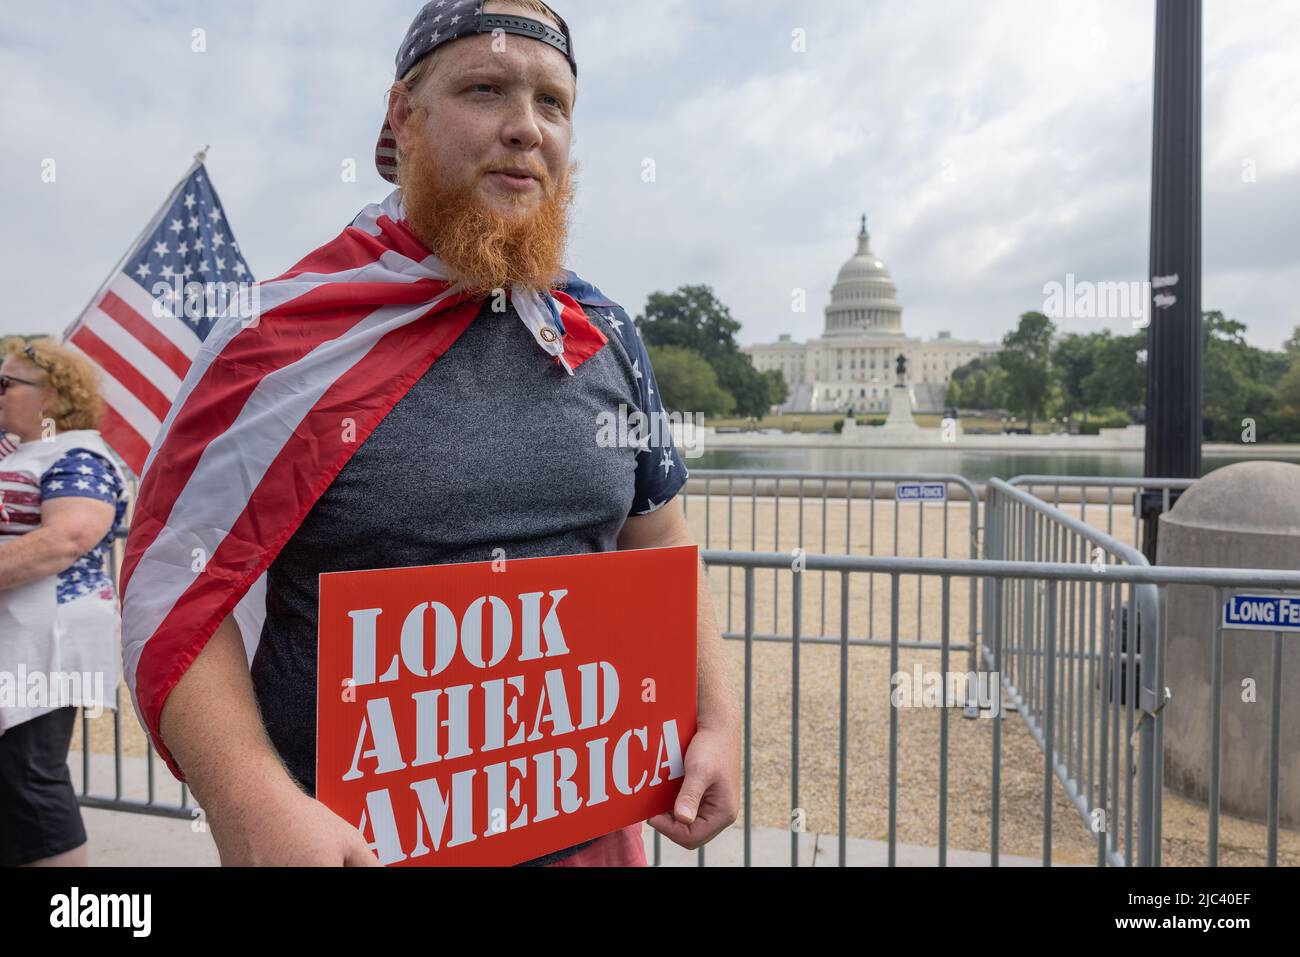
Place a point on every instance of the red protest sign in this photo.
(491, 713)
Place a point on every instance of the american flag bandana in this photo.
(271, 411)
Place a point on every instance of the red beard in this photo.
(482, 248)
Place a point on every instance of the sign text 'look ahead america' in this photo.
(494, 712)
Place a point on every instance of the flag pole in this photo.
(199, 158)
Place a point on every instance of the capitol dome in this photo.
(864, 300)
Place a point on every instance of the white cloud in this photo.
(994, 147)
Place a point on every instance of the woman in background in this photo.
(62, 498)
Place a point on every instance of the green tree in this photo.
(693, 318)
(979, 384)
(777, 390)
(1292, 346)
(1026, 358)
(1288, 391)
(1074, 359)
(687, 383)
(1286, 426)
(1118, 376)
(1238, 380)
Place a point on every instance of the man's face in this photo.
(488, 108)
(485, 110)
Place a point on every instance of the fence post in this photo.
(1150, 640)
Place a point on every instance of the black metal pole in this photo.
(1173, 409)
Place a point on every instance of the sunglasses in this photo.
(7, 380)
(29, 353)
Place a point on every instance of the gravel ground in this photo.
(969, 790)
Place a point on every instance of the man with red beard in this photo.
(493, 451)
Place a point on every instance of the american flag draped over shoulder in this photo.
(269, 414)
(138, 332)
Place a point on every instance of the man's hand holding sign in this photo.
(709, 798)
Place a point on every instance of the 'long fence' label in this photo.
(1262, 612)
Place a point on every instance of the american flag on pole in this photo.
(141, 329)
(270, 413)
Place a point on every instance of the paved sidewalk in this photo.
(125, 839)
(770, 847)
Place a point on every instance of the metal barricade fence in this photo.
(1035, 628)
(1049, 650)
(1127, 490)
(1130, 492)
(1060, 601)
(823, 509)
(121, 799)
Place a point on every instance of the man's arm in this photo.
(259, 816)
(709, 800)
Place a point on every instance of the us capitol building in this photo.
(852, 365)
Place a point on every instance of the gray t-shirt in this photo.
(495, 447)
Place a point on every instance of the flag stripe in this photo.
(233, 376)
(135, 353)
(10, 498)
(122, 371)
(127, 441)
(370, 240)
(208, 598)
(149, 336)
(277, 294)
(138, 300)
(119, 398)
(272, 351)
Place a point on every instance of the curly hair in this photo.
(72, 378)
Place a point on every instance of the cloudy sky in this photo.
(994, 146)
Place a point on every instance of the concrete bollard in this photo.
(1242, 516)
